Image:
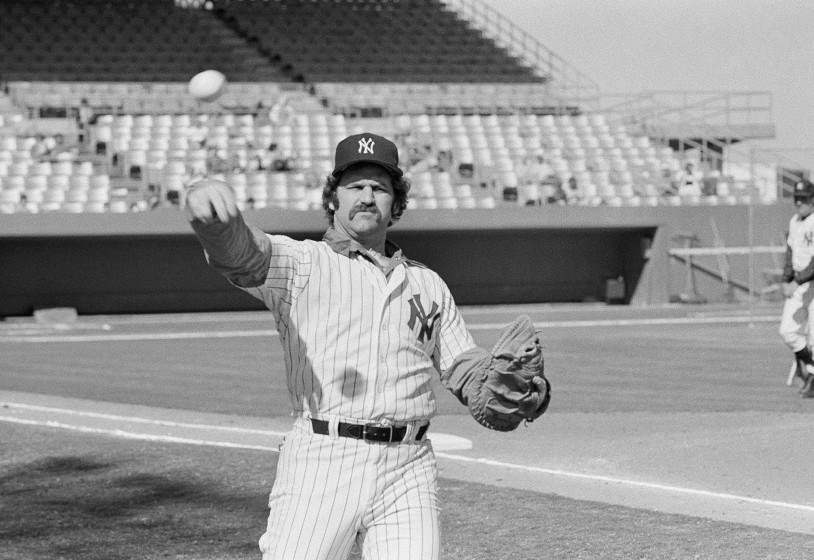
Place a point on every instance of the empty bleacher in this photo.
(372, 41)
(119, 40)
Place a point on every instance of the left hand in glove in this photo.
(513, 388)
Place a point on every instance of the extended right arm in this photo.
(238, 251)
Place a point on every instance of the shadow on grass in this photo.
(77, 507)
(207, 506)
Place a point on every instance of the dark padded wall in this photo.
(150, 262)
(139, 274)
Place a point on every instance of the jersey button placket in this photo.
(383, 328)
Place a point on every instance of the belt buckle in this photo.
(365, 432)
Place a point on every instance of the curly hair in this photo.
(401, 187)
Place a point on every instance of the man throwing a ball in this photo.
(364, 329)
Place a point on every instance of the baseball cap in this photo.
(366, 148)
(803, 189)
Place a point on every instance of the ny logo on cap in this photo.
(366, 145)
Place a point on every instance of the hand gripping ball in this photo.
(207, 85)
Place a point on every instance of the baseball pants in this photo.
(798, 310)
(332, 491)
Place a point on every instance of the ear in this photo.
(331, 207)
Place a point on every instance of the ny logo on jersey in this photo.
(427, 320)
(366, 145)
(808, 237)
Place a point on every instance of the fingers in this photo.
(210, 201)
(218, 207)
(531, 405)
(198, 207)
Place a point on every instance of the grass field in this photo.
(671, 434)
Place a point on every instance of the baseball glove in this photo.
(513, 388)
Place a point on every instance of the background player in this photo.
(364, 330)
(798, 271)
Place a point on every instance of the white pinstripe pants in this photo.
(796, 317)
(330, 491)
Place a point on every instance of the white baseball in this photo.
(207, 85)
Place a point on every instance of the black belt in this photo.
(369, 432)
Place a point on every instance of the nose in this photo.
(366, 195)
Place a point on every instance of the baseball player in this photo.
(798, 271)
(364, 329)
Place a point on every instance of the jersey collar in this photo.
(344, 245)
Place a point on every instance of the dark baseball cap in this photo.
(366, 148)
(804, 190)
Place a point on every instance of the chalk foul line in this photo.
(163, 438)
(629, 483)
(206, 334)
(134, 435)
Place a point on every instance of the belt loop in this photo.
(333, 427)
(409, 434)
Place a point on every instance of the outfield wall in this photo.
(150, 262)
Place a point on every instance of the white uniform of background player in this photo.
(364, 330)
(798, 309)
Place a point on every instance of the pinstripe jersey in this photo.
(801, 241)
(360, 343)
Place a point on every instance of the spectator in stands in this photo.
(40, 148)
(84, 115)
(422, 158)
(50, 148)
(61, 146)
(572, 194)
(688, 181)
(666, 184)
(446, 161)
(535, 169)
(281, 161)
(553, 191)
(215, 162)
(281, 111)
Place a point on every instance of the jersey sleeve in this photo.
(453, 336)
(289, 265)
(236, 250)
(272, 268)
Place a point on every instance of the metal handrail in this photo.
(698, 105)
(564, 80)
(650, 111)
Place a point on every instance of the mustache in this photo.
(364, 208)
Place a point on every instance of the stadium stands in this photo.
(109, 40)
(367, 41)
(470, 117)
